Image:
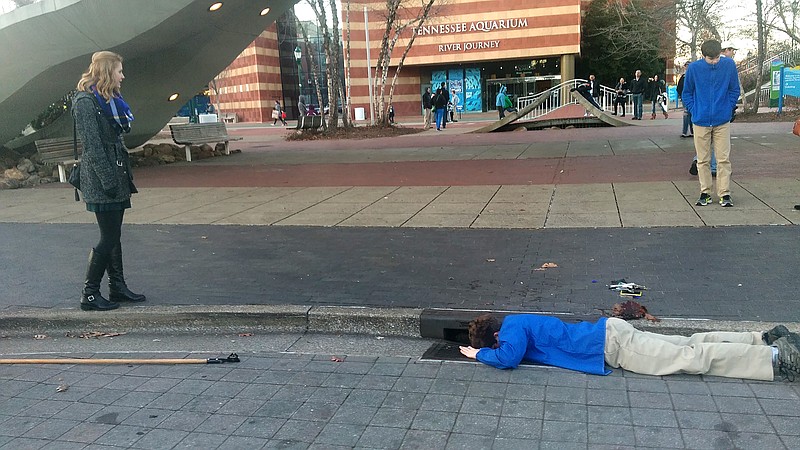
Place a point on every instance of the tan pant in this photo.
(722, 354)
(427, 117)
(720, 138)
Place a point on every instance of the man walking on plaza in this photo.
(637, 86)
(710, 93)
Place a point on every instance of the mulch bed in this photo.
(360, 132)
(788, 115)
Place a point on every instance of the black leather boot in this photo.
(91, 299)
(116, 280)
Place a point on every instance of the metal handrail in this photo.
(559, 97)
(789, 56)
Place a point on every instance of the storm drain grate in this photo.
(448, 351)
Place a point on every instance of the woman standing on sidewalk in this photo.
(101, 116)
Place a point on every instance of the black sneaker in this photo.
(788, 363)
(726, 201)
(693, 168)
(797, 207)
(703, 200)
(774, 334)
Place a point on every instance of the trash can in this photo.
(206, 118)
(360, 114)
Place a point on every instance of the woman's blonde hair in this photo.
(100, 74)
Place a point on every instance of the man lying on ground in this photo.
(589, 346)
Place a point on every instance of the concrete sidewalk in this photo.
(302, 391)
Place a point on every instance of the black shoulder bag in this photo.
(75, 174)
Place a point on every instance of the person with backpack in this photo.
(503, 103)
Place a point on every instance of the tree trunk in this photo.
(312, 63)
(346, 119)
(414, 33)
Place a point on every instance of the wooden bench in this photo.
(188, 134)
(58, 151)
(309, 122)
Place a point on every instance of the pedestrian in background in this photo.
(440, 103)
(637, 86)
(453, 105)
(711, 111)
(655, 91)
(426, 107)
(101, 117)
(594, 90)
(277, 113)
(620, 96)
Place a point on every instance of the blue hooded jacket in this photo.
(710, 91)
(500, 96)
(549, 340)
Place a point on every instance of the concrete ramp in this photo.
(512, 117)
(599, 113)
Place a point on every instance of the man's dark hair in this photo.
(711, 48)
(482, 330)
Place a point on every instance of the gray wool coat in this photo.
(106, 175)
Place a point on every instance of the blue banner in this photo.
(472, 89)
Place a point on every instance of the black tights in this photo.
(110, 224)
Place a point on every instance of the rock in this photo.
(26, 166)
(8, 183)
(520, 128)
(33, 180)
(166, 159)
(14, 174)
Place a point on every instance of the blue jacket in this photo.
(550, 341)
(710, 91)
(500, 96)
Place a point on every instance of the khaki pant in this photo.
(427, 118)
(720, 138)
(722, 354)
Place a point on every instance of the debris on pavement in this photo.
(94, 335)
(632, 310)
(336, 359)
(626, 289)
(39, 337)
(62, 388)
(547, 265)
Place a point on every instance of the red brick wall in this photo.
(252, 82)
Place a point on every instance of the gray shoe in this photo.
(788, 357)
(774, 334)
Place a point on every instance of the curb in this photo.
(449, 324)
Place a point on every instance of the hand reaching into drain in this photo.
(468, 351)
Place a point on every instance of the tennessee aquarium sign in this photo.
(485, 26)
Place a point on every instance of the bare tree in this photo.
(311, 62)
(347, 82)
(786, 12)
(632, 22)
(400, 16)
(420, 20)
(331, 40)
(699, 20)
